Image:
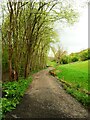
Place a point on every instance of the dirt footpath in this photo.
(45, 98)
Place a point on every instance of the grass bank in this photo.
(75, 79)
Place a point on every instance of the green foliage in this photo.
(74, 58)
(61, 57)
(5, 60)
(0, 109)
(80, 56)
(30, 32)
(12, 93)
(51, 63)
(81, 97)
(84, 55)
(64, 60)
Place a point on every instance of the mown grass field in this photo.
(77, 75)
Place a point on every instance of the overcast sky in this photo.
(75, 38)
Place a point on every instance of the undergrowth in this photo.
(80, 96)
(12, 92)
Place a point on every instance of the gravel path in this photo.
(45, 98)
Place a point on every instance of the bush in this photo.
(73, 58)
(64, 60)
(84, 55)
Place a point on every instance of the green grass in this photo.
(75, 74)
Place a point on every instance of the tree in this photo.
(30, 31)
(84, 55)
(58, 54)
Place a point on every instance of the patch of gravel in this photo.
(45, 98)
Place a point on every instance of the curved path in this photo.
(45, 98)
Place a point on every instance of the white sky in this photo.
(75, 38)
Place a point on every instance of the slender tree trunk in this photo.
(26, 67)
(10, 56)
(10, 42)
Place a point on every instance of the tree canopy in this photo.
(28, 31)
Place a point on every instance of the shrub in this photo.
(64, 60)
(74, 58)
(84, 55)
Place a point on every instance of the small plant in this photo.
(69, 90)
(78, 86)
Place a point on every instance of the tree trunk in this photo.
(10, 42)
(26, 72)
(10, 56)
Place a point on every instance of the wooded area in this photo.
(28, 31)
(61, 56)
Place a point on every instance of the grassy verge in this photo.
(76, 74)
(12, 93)
(75, 79)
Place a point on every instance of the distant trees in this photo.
(74, 57)
(80, 56)
(27, 31)
(59, 54)
(65, 59)
(84, 55)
